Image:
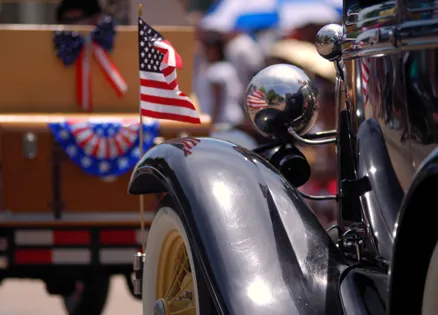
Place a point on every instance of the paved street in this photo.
(24, 297)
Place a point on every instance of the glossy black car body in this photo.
(261, 247)
(391, 47)
(256, 236)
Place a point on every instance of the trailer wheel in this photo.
(89, 297)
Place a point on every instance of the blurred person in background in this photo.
(321, 158)
(245, 54)
(265, 38)
(241, 49)
(219, 91)
(83, 12)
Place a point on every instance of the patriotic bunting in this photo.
(73, 48)
(103, 149)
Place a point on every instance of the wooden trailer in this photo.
(60, 222)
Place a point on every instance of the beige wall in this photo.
(159, 12)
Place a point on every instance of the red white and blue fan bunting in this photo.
(104, 148)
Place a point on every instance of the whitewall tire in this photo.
(168, 238)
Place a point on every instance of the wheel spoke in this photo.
(181, 291)
(180, 268)
(175, 287)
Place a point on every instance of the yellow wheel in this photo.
(171, 282)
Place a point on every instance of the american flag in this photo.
(365, 64)
(185, 144)
(256, 100)
(160, 96)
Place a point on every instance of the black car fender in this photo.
(261, 247)
(383, 201)
(415, 237)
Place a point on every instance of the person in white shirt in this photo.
(245, 54)
(219, 91)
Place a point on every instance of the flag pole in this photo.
(143, 232)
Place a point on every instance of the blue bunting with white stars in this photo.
(104, 148)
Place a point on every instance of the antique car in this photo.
(234, 235)
(65, 215)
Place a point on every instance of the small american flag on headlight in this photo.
(256, 100)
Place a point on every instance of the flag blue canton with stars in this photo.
(104, 148)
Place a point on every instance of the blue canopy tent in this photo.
(244, 15)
